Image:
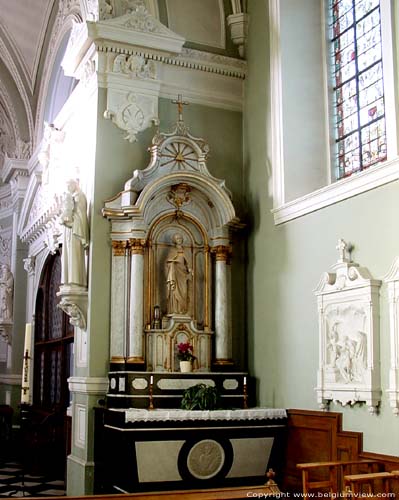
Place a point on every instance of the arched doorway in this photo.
(53, 361)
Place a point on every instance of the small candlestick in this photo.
(151, 405)
(25, 389)
(245, 395)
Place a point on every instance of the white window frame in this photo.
(360, 182)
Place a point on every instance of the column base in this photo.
(223, 365)
(135, 363)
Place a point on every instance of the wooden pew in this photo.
(337, 469)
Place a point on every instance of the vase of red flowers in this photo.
(185, 356)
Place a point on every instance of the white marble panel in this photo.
(169, 383)
(118, 306)
(80, 426)
(136, 306)
(139, 383)
(230, 384)
(251, 456)
(157, 461)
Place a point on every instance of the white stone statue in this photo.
(76, 235)
(178, 275)
(6, 292)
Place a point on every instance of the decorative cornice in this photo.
(189, 58)
(138, 28)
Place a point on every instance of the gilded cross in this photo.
(180, 103)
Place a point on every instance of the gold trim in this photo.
(119, 248)
(222, 253)
(135, 359)
(223, 362)
(136, 246)
(117, 359)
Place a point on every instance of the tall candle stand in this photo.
(151, 405)
(245, 395)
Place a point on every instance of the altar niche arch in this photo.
(161, 244)
(178, 299)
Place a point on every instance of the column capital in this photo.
(222, 253)
(119, 247)
(136, 246)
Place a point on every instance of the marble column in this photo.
(136, 302)
(119, 298)
(223, 331)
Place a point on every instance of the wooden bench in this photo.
(336, 471)
(366, 483)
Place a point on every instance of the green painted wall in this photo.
(286, 263)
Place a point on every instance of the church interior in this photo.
(199, 266)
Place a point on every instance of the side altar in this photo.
(171, 232)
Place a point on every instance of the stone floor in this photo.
(14, 483)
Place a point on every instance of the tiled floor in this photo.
(14, 483)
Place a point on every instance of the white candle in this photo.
(151, 380)
(245, 380)
(26, 364)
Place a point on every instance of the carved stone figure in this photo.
(76, 235)
(6, 292)
(178, 275)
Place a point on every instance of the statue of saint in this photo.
(6, 292)
(76, 235)
(178, 275)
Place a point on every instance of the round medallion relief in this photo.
(205, 459)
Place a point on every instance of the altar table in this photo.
(166, 449)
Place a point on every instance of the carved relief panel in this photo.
(392, 280)
(348, 305)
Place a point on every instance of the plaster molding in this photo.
(30, 265)
(10, 379)
(238, 24)
(92, 386)
(12, 68)
(349, 360)
(68, 14)
(132, 111)
(137, 28)
(343, 189)
(392, 280)
(73, 301)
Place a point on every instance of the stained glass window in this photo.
(359, 112)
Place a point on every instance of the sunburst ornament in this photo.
(178, 155)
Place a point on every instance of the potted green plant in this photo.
(200, 397)
(185, 356)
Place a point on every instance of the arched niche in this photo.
(195, 243)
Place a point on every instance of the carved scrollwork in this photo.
(135, 66)
(133, 115)
(74, 303)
